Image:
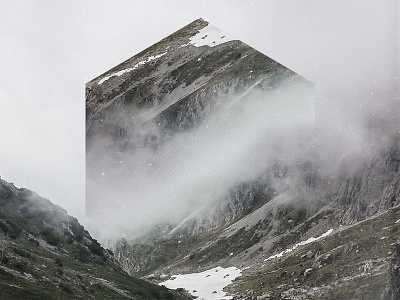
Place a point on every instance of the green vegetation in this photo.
(46, 254)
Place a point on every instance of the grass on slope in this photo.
(351, 263)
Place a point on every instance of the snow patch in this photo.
(207, 285)
(310, 240)
(141, 63)
(210, 36)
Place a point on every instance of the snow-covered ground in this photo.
(141, 63)
(210, 36)
(310, 240)
(206, 285)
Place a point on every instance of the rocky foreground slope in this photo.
(47, 254)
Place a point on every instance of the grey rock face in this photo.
(392, 290)
(239, 201)
(372, 188)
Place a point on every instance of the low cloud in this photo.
(159, 181)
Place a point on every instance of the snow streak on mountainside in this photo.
(177, 131)
(119, 73)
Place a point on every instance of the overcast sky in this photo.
(50, 49)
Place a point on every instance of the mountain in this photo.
(165, 126)
(269, 245)
(47, 254)
(203, 153)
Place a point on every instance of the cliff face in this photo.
(371, 189)
(392, 290)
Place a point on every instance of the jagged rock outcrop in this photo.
(373, 188)
(392, 290)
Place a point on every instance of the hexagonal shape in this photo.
(177, 125)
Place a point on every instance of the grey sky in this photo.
(50, 49)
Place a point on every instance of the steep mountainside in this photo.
(150, 114)
(47, 254)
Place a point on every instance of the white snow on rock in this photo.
(310, 240)
(141, 63)
(210, 36)
(206, 285)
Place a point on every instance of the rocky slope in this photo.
(372, 188)
(47, 254)
(350, 263)
(392, 290)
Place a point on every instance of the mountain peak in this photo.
(198, 81)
